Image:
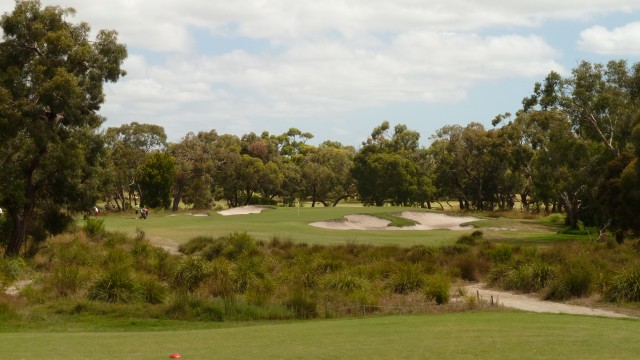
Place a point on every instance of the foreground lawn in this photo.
(499, 335)
(293, 224)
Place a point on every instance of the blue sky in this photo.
(338, 68)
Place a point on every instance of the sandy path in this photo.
(528, 303)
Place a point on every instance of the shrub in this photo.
(470, 239)
(625, 286)
(406, 278)
(470, 266)
(11, 269)
(345, 283)
(501, 253)
(260, 292)
(302, 304)
(185, 307)
(195, 245)
(115, 286)
(153, 291)
(190, 273)
(437, 287)
(418, 253)
(576, 280)
(94, 228)
(68, 280)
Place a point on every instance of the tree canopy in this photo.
(51, 88)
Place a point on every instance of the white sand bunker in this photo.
(242, 210)
(425, 220)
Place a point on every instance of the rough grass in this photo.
(449, 336)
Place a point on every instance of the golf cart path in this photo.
(528, 303)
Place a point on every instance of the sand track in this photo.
(532, 304)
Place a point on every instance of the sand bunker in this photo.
(242, 210)
(425, 220)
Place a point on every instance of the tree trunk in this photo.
(177, 198)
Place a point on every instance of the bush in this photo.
(191, 272)
(345, 283)
(437, 287)
(406, 278)
(576, 280)
(115, 286)
(470, 266)
(94, 228)
(470, 239)
(625, 286)
(11, 269)
(302, 304)
(68, 280)
(153, 291)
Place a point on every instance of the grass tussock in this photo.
(234, 278)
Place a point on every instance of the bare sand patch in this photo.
(242, 210)
(528, 303)
(425, 220)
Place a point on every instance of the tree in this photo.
(196, 156)
(51, 81)
(128, 146)
(156, 176)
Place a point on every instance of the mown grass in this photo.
(502, 335)
(293, 224)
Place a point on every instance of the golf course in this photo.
(464, 330)
(294, 224)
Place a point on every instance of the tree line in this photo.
(571, 148)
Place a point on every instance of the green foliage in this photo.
(117, 285)
(54, 138)
(303, 304)
(190, 273)
(437, 287)
(156, 177)
(406, 278)
(11, 269)
(625, 286)
(472, 239)
(95, 228)
(152, 291)
(575, 280)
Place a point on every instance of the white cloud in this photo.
(621, 41)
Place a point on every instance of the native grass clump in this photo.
(235, 278)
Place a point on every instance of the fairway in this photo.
(499, 335)
(293, 224)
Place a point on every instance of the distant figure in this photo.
(144, 212)
(1, 211)
(96, 211)
(137, 209)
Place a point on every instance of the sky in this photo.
(339, 68)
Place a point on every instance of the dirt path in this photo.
(528, 303)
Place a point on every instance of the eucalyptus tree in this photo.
(385, 169)
(51, 89)
(128, 146)
(326, 173)
(197, 157)
(602, 104)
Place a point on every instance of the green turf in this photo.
(293, 224)
(495, 335)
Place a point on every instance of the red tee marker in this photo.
(175, 356)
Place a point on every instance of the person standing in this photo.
(96, 211)
(137, 209)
